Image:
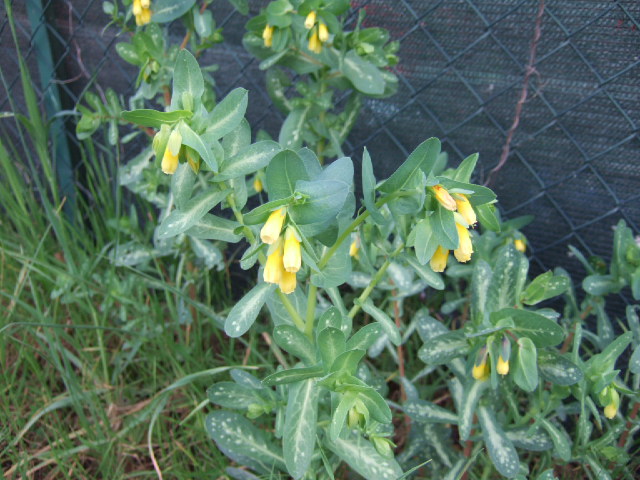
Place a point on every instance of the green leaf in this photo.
(248, 160)
(472, 393)
(480, 284)
(365, 337)
(465, 169)
(558, 369)
(364, 75)
(232, 395)
(179, 221)
(607, 358)
(443, 348)
(543, 331)
(128, 53)
(187, 77)
(432, 278)
(299, 437)
(560, 439)
(525, 365)
(381, 317)
(282, 174)
(292, 129)
(501, 291)
(193, 140)
(211, 227)
(423, 158)
(501, 451)
(168, 10)
(362, 457)
(634, 361)
(599, 285)
(368, 189)
(235, 140)
(292, 340)
(244, 443)
(245, 312)
(293, 375)
(325, 199)
(227, 115)
(487, 216)
(444, 228)
(182, 185)
(423, 240)
(208, 253)
(153, 118)
(336, 271)
(331, 317)
(376, 404)
(242, 6)
(347, 362)
(340, 414)
(331, 343)
(545, 286)
(534, 441)
(428, 412)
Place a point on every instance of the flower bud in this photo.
(520, 245)
(466, 210)
(292, 254)
(271, 230)
(310, 21)
(502, 367)
(444, 197)
(267, 36)
(323, 32)
(257, 185)
(354, 248)
(481, 369)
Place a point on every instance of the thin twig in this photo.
(529, 70)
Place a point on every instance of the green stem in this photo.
(376, 279)
(356, 222)
(311, 311)
(295, 316)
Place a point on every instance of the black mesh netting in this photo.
(574, 160)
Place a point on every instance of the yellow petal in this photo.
(271, 230)
(257, 185)
(444, 197)
(145, 3)
(520, 245)
(267, 36)
(137, 7)
(288, 282)
(466, 210)
(439, 260)
(310, 21)
(354, 249)
(273, 269)
(610, 411)
(323, 32)
(292, 256)
(481, 372)
(169, 162)
(502, 367)
(465, 248)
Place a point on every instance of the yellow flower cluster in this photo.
(285, 255)
(319, 32)
(481, 369)
(460, 204)
(142, 11)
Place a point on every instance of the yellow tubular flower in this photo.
(257, 185)
(137, 7)
(444, 197)
(481, 372)
(288, 282)
(502, 367)
(145, 3)
(323, 32)
(314, 43)
(354, 248)
(267, 36)
(292, 259)
(465, 248)
(310, 21)
(145, 16)
(520, 245)
(273, 269)
(610, 411)
(466, 210)
(169, 162)
(439, 260)
(271, 230)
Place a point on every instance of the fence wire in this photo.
(574, 159)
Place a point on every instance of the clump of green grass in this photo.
(97, 376)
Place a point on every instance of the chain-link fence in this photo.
(574, 151)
